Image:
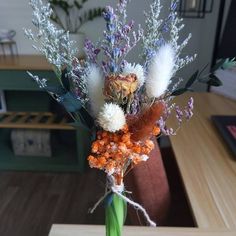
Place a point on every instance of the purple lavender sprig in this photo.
(181, 115)
(186, 113)
(189, 109)
(117, 43)
(166, 26)
(163, 127)
(91, 51)
(78, 77)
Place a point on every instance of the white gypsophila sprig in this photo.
(172, 87)
(53, 43)
(111, 117)
(95, 84)
(42, 82)
(136, 69)
(152, 39)
(160, 71)
(161, 31)
(176, 25)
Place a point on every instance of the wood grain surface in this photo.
(24, 62)
(207, 166)
(30, 202)
(34, 120)
(95, 230)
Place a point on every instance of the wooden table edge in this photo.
(99, 230)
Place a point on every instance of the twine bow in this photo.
(119, 190)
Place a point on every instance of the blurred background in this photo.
(54, 179)
(16, 15)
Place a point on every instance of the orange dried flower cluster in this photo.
(113, 152)
(156, 130)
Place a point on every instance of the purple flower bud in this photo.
(190, 103)
(110, 27)
(179, 114)
(166, 131)
(96, 51)
(116, 53)
(113, 67)
(188, 114)
(173, 6)
(165, 28)
(189, 109)
(108, 14)
(110, 38)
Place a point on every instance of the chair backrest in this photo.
(149, 186)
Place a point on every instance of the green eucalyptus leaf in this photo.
(229, 63)
(179, 91)
(192, 79)
(80, 125)
(58, 90)
(214, 81)
(70, 102)
(89, 120)
(218, 65)
(65, 79)
(78, 5)
(90, 13)
(115, 216)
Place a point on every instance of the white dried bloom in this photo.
(160, 71)
(144, 157)
(111, 117)
(136, 69)
(95, 84)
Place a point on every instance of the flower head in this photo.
(111, 117)
(135, 69)
(95, 86)
(160, 71)
(119, 87)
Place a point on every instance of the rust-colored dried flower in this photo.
(120, 87)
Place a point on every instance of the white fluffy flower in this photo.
(160, 71)
(111, 117)
(95, 89)
(137, 70)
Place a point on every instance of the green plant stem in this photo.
(115, 216)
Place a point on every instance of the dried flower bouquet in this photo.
(126, 104)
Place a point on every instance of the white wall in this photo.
(16, 14)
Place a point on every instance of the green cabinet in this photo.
(23, 94)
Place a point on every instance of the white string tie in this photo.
(136, 206)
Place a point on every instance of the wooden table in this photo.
(95, 230)
(208, 171)
(207, 166)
